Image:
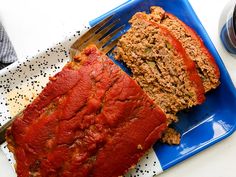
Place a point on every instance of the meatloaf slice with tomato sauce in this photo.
(160, 65)
(193, 44)
(91, 120)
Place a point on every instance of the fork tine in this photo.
(110, 46)
(90, 32)
(99, 35)
(107, 38)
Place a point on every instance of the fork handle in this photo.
(3, 130)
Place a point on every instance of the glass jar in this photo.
(228, 29)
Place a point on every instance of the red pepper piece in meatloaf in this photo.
(193, 44)
(91, 120)
(160, 65)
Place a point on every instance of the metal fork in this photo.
(102, 35)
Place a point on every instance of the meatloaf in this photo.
(160, 65)
(91, 120)
(194, 47)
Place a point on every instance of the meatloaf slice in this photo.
(91, 120)
(194, 46)
(160, 65)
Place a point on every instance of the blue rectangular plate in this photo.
(201, 126)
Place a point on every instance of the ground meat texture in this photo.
(160, 65)
(171, 136)
(194, 46)
(90, 118)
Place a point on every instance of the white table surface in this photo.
(38, 24)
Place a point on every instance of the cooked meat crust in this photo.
(91, 120)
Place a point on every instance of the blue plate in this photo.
(201, 126)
